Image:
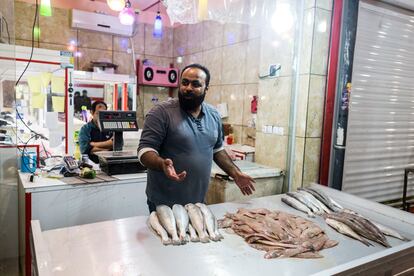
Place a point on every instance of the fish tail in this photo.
(166, 241)
(204, 239)
(176, 242)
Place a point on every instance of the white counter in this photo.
(128, 247)
(57, 204)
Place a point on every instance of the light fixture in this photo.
(72, 45)
(202, 9)
(45, 8)
(127, 15)
(282, 20)
(157, 33)
(116, 5)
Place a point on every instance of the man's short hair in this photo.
(77, 93)
(95, 104)
(84, 92)
(199, 66)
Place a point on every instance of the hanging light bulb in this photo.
(202, 10)
(45, 8)
(116, 5)
(157, 33)
(127, 15)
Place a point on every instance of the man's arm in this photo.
(153, 161)
(105, 145)
(243, 181)
(153, 134)
(95, 149)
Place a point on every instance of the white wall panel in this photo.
(380, 137)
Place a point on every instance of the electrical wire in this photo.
(48, 154)
(27, 65)
(31, 53)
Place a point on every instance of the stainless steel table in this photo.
(127, 247)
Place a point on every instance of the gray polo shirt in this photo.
(190, 143)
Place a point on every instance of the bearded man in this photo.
(180, 139)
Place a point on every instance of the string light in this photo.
(157, 33)
(45, 8)
(116, 5)
(127, 15)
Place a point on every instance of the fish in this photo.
(157, 227)
(346, 230)
(297, 205)
(167, 220)
(306, 202)
(377, 235)
(385, 230)
(322, 194)
(322, 198)
(314, 200)
(389, 232)
(197, 221)
(280, 234)
(225, 223)
(182, 221)
(210, 222)
(193, 234)
(357, 226)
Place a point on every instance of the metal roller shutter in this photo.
(380, 135)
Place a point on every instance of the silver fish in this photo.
(166, 217)
(385, 230)
(197, 221)
(297, 205)
(315, 201)
(182, 220)
(346, 230)
(157, 227)
(193, 234)
(389, 232)
(315, 209)
(210, 222)
(324, 198)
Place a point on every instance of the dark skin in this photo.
(100, 146)
(153, 161)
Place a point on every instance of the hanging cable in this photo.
(31, 53)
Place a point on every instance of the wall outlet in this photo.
(269, 129)
(277, 130)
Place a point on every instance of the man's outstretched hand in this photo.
(170, 172)
(245, 183)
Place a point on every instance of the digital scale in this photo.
(118, 161)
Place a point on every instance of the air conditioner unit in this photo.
(157, 76)
(100, 23)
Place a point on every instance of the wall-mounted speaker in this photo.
(157, 76)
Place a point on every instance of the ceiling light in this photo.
(127, 15)
(157, 33)
(116, 5)
(45, 8)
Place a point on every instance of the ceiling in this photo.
(150, 6)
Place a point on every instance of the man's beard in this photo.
(190, 101)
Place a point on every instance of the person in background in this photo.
(91, 138)
(86, 101)
(77, 102)
(180, 139)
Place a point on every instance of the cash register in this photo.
(118, 161)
